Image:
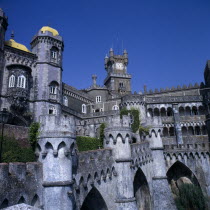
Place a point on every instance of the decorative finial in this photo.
(12, 35)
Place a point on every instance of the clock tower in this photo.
(118, 81)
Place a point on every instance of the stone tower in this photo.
(3, 28)
(55, 150)
(47, 44)
(118, 81)
(118, 136)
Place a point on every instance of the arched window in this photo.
(21, 81)
(169, 111)
(54, 54)
(65, 101)
(53, 88)
(171, 131)
(52, 110)
(181, 111)
(84, 108)
(194, 110)
(12, 81)
(156, 112)
(115, 107)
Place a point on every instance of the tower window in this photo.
(12, 81)
(21, 81)
(121, 84)
(54, 54)
(52, 110)
(98, 99)
(53, 89)
(84, 109)
(65, 101)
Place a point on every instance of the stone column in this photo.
(118, 137)
(178, 129)
(54, 151)
(162, 195)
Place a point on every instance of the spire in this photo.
(94, 78)
(12, 35)
(111, 52)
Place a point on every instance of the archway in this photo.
(179, 174)
(141, 191)
(94, 201)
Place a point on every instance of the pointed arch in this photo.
(179, 171)
(35, 201)
(48, 146)
(141, 191)
(4, 204)
(94, 201)
(21, 200)
(61, 145)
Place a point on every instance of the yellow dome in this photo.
(13, 43)
(52, 30)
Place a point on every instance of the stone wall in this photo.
(20, 133)
(20, 183)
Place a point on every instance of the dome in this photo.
(13, 43)
(52, 30)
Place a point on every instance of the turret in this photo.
(117, 80)
(56, 151)
(118, 137)
(47, 44)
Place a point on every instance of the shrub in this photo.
(12, 152)
(33, 134)
(87, 143)
(190, 197)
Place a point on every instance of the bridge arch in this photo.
(94, 201)
(141, 191)
(179, 174)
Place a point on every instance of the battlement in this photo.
(20, 170)
(116, 121)
(198, 147)
(95, 156)
(178, 88)
(57, 126)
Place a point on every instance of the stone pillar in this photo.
(162, 196)
(177, 126)
(54, 151)
(118, 137)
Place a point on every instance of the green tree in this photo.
(190, 198)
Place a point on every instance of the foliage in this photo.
(33, 134)
(13, 152)
(190, 197)
(143, 130)
(101, 137)
(87, 143)
(136, 121)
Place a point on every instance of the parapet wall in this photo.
(20, 182)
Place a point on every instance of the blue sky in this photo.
(168, 42)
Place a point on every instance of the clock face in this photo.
(119, 66)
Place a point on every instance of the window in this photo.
(84, 109)
(101, 109)
(53, 89)
(98, 99)
(65, 101)
(21, 81)
(115, 107)
(121, 84)
(52, 110)
(12, 81)
(54, 54)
